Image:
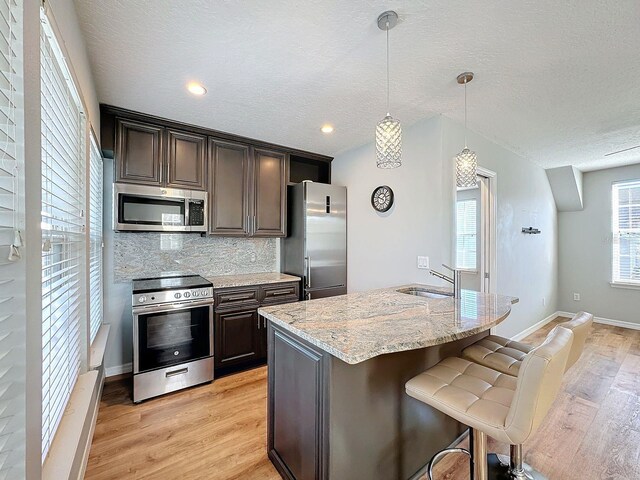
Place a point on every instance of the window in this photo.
(95, 240)
(63, 234)
(12, 266)
(466, 234)
(626, 232)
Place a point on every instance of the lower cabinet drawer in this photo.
(280, 293)
(237, 297)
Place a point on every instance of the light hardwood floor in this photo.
(218, 431)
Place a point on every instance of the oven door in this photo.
(171, 335)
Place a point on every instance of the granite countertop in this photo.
(359, 326)
(226, 281)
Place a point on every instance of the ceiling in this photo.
(557, 82)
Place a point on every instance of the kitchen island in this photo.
(337, 407)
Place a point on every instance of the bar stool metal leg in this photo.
(513, 466)
(478, 444)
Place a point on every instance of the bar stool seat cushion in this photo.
(498, 353)
(458, 387)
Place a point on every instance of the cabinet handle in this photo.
(254, 225)
(247, 296)
(258, 322)
(264, 319)
(282, 292)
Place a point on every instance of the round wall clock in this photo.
(382, 198)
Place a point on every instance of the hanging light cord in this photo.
(387, 66)
(465, 112)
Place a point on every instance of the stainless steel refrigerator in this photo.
(316, 246)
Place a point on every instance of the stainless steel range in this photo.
(172, 334)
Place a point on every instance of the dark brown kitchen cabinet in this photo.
(238, 338)
(240, 334)
(248, 190)
(229, 166)
(186, 160)
(138, 153)
(152, 155)
(270, 187)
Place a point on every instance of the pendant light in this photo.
(466, 160)
(388, 130)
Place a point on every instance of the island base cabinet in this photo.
(331, 420)
(297, 410)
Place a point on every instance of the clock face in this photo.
(382, 198)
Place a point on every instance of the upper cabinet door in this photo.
(186, 160)
(229, 188)
(138, 153)
(270, 193)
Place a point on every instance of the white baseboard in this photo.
(608, 321)
(118, 370)
(534, 327)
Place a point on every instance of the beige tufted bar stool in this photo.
(506, 356)
(492, 403)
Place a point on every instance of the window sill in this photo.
(98, 347)
(628, 286)
(66, 452)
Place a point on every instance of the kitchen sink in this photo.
(423, 292)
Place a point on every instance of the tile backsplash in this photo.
(140, 255)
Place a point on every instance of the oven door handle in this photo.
(172, 307)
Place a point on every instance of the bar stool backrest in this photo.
(580, 325)
(538, 384)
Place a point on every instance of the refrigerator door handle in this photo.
(308, 271)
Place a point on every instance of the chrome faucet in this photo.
(454, 279)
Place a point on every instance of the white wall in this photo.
(527, 264)
(586, 250)
(382, 248)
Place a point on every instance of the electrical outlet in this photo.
(423, 262)
(576, 297)
(253, 257)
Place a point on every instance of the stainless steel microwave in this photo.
(143, 208)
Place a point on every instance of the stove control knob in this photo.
(178, 295)
(195, 293)
(142, 299)
(187, 294)
(204, 292)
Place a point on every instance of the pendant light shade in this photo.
(389, 143)
(466, 160)
(466, 168)
(388, 130)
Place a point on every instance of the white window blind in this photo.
(12, 269)
(64, 244)
(466, 234)
(626, 232)
(95, 234)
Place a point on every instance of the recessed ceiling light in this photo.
(196, 88)
(327, 128)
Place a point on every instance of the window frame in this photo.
(616, 280)
(64, 155)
